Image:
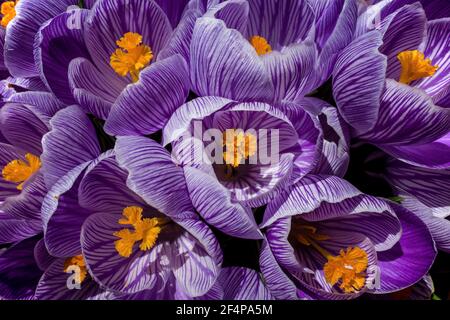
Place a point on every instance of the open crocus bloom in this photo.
(240, 173)
(114, 67)
(407, 88)
(153, 242)
(332, 241)
(273, 51)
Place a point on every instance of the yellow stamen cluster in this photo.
(76, 261)
(238, 146)
(261, 45)
(8, 10)
(145, 229)
(415, 66)
(131, 57)
(19, 171)
(349, 268)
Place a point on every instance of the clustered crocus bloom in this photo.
(223, 149)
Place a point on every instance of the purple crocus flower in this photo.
(325, 239)
(235, 184)
(134, 224)
(111, 54)
(370, 98)
(30, 272)
(268, 50)
(401, 104)
(28, 17)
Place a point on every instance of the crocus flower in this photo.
(408, 120)
(333, 242)
(24, 120)
(30, 272)
(111, 56)
(268, 50)
(132, 224)
(233, 183)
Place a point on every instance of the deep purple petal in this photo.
(411, 258)
(23, 126)
(19, 271)
(358, 81)
(94, 91)
(20, 34)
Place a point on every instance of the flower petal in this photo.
(57, 43)
(71, 142)
(403, 30)
(410, 259)
(407, 116)
(435, 48)
(23, 126)
(21, 32)
(153, 175)
(358, 81)
(224, 64)
(145, 107)
(19, 271)
(243, 284)
(219, 211)
(281, 23)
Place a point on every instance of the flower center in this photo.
(19, 171)
(8, 10)
(78, 262)
(261, 45)
(348, 268)
(131, 57)
(415, 66)
(238, 146)
(145, 230)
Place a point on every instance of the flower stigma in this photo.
(131, 57)
(145, 230)
(415, 66)
(19, 171)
